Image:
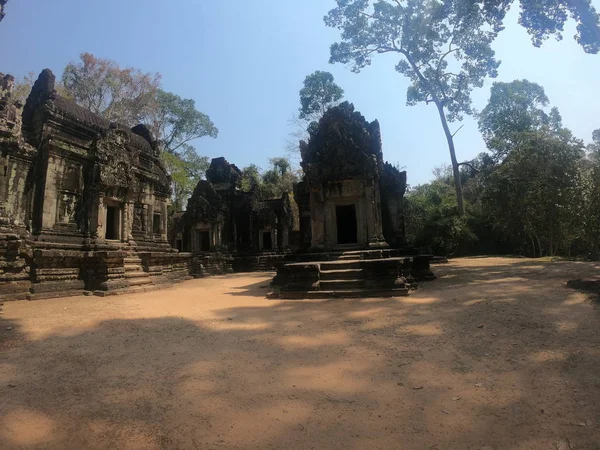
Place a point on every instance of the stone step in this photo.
(341, 293)
(133, 268)
(336, 285)
(340, 265)
(132, 260)
(139, 274)
(343, 274)
(351, 257)
(140, 281)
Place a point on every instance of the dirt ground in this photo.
(495, 354)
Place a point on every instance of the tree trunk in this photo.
(455, 167)
(537, 238)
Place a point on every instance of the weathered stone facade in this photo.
(225, 227)
(83, 202)
(351, 217)
(347, 190)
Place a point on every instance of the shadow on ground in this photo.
(499, 355)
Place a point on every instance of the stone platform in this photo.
(359, 273)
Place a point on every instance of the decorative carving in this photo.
(67, 208)
(138, 218)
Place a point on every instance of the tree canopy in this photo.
(543, 19)
(129, 96)
(126, 95)
(177, 121)
(320, 92)
(444, 49)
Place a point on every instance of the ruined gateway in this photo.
(83, 202)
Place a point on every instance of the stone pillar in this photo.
(373, 213)
(100, 216)
(317, 220)
(163, 221)
(151, 218)
(147, 221)
(50, 194)
(129, 212)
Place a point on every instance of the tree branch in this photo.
(459, 128)
(469, 165)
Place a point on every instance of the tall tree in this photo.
(130, 96)
(120, 95)
(542, 19)
(320, 92)
(444, 49)
(513, 108)
(535, 194)
(186, 167)
(178, 122)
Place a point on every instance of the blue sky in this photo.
(244, 63)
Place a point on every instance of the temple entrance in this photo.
(346, 224)
(203, 238)
(267, 241)
(112, 223)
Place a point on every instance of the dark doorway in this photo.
(346, 224)
(204, 240)
(111, 229)
(156, 224)
(267, 241)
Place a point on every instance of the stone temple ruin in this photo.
(228, 229)
(83, 210)
(83, 202)
(351, 216)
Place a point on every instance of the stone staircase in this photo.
(134, 272)
(348, 276)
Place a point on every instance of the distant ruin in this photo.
(226, 228)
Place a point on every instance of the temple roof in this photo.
(85, 116)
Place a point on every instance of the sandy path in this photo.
(497, 354)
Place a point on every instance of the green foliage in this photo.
(177, 121)
(129, 96)
(186, 169)
(432, 220)
(319, 93)
(251, 178)
(120, 95)
(535, 194)
(272, 183)
(542, 19)
(444, 48)
(443, 56)
(513, 108)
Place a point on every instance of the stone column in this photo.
(317, 219)
(53, 172)
(163, 221)
(373, 213)
(147, 221)
(129, 212)
(100, 216)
